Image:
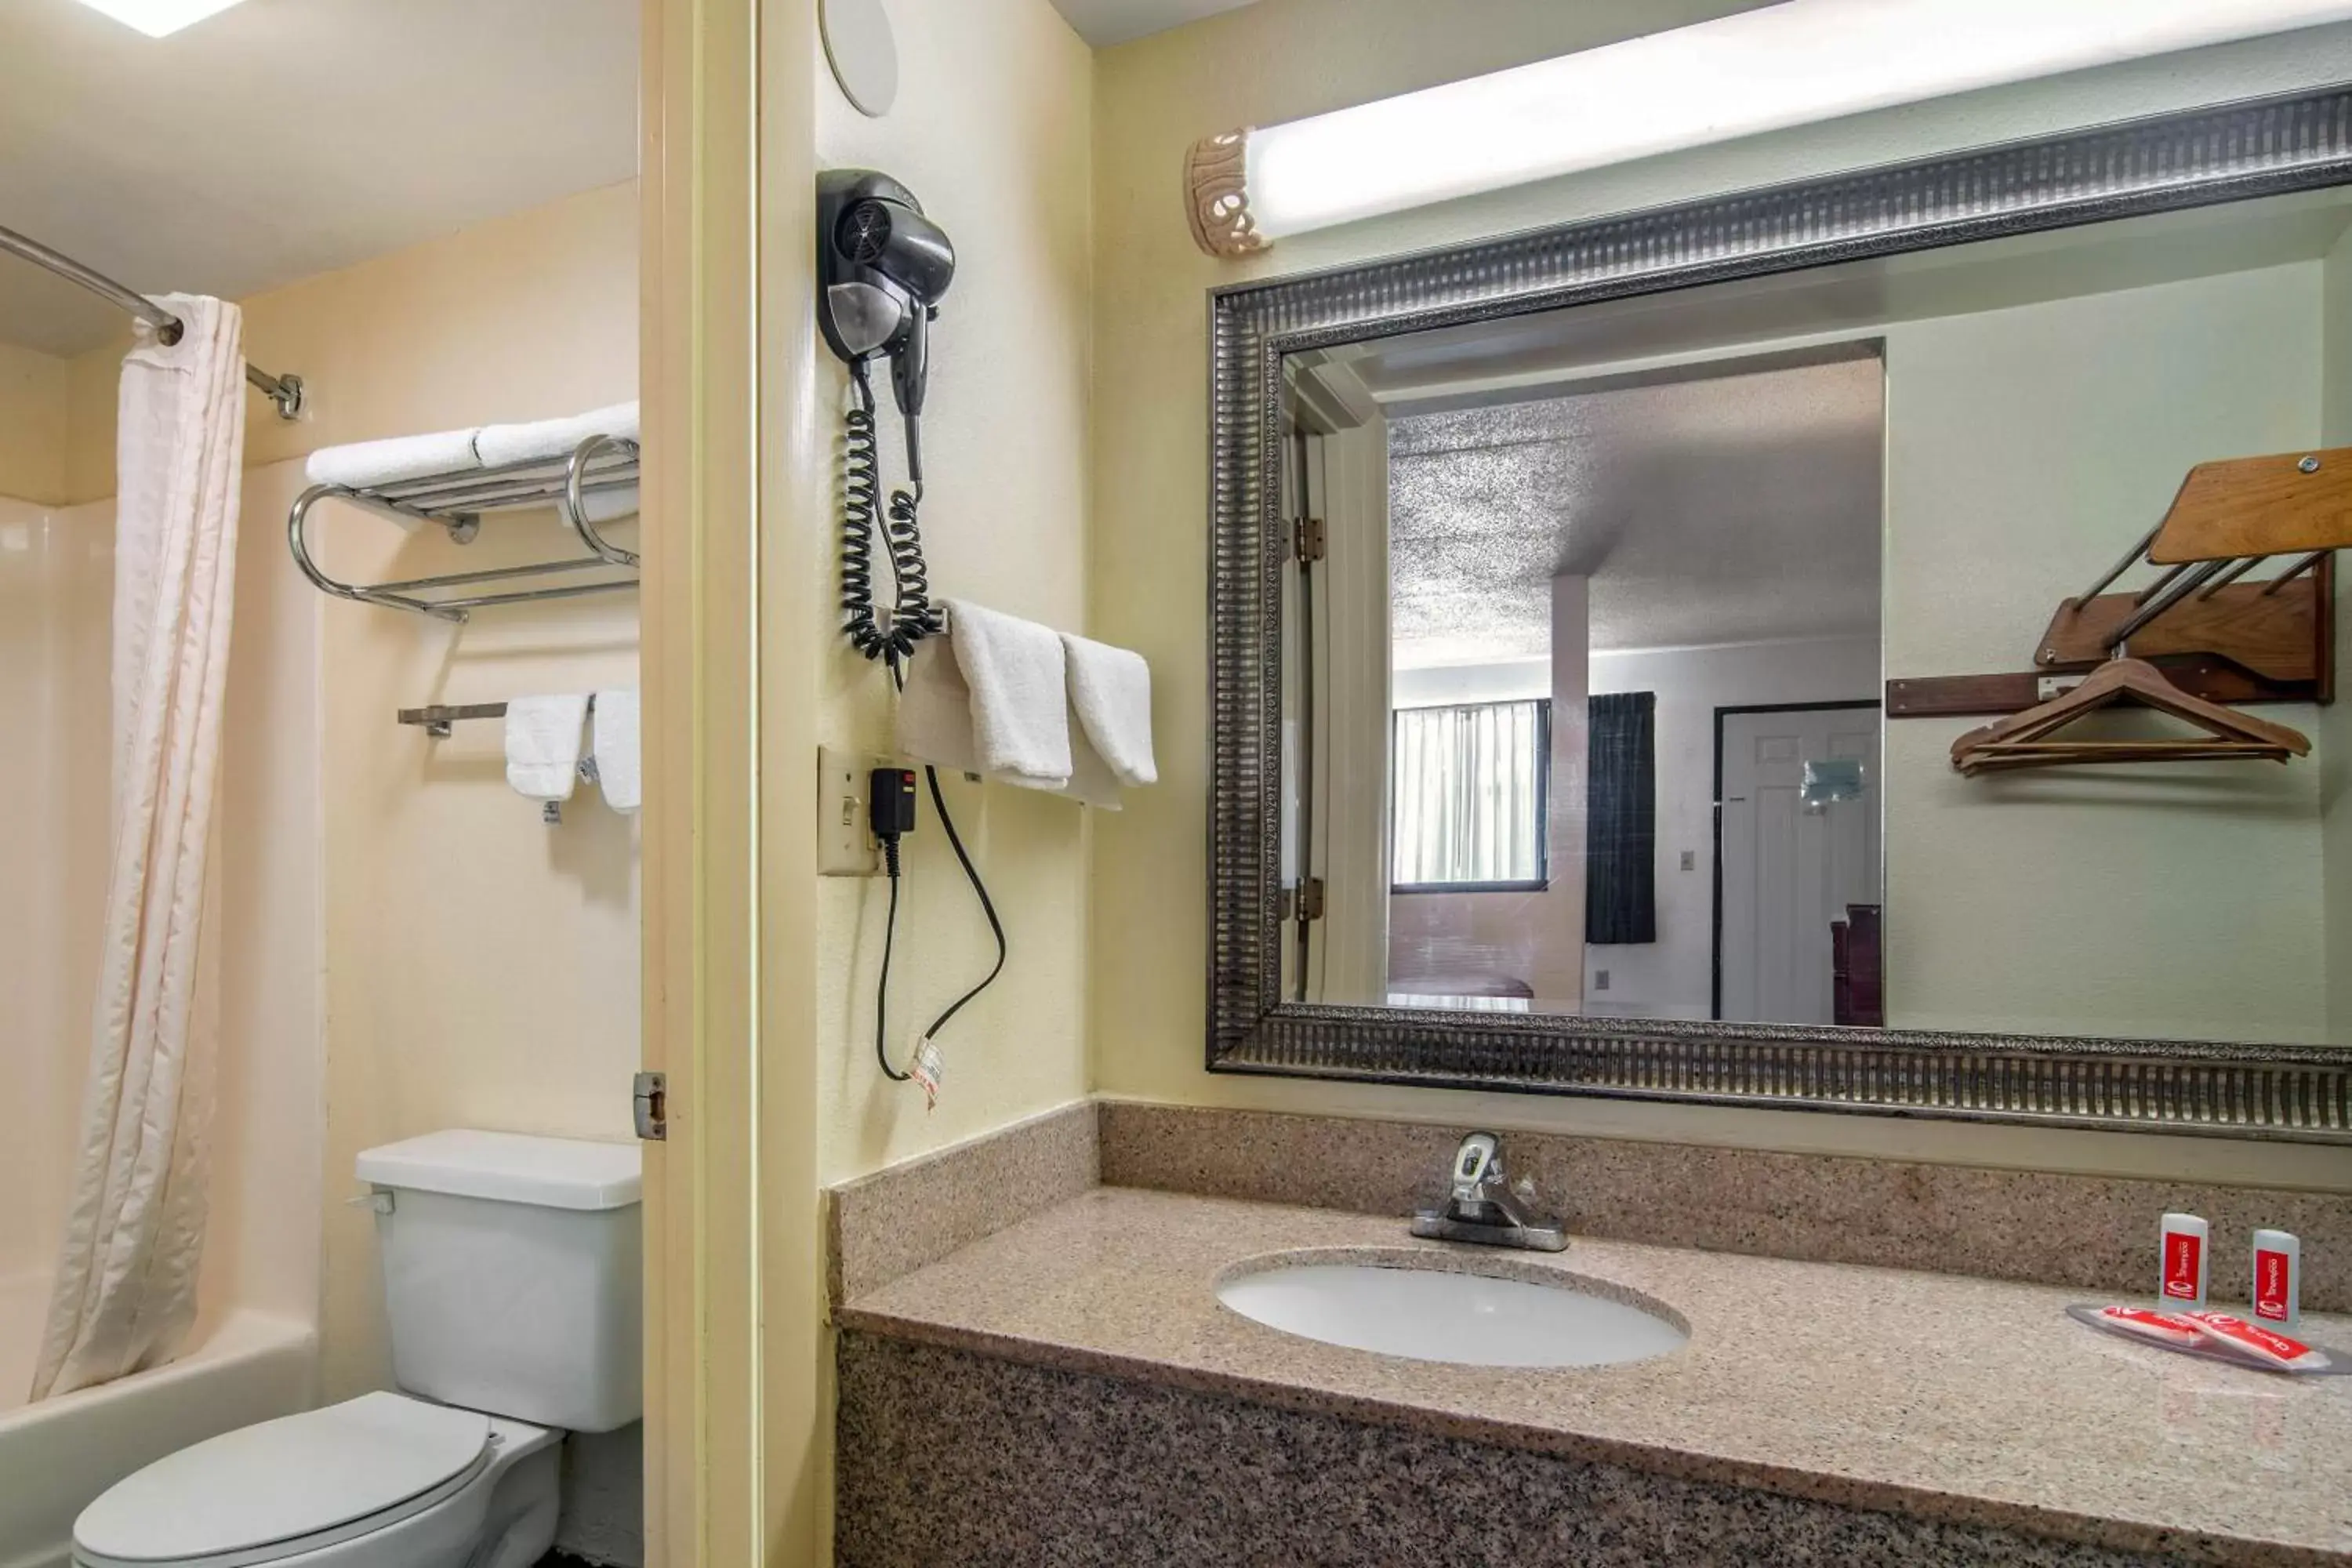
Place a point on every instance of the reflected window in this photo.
(1469, 796)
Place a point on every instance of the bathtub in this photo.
(57, 1457)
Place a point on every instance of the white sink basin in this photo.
(1427, 1314)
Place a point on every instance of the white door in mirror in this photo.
(1425, 1314)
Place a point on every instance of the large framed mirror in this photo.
(1730, 652)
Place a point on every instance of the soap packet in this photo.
(2216, 1336)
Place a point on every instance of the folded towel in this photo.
(1110, 692)
(935, 727)
(500, 445)
(1092, 783)
(609, 505)
(619, 772)
(365, 464)
(543, 744)
(1020, 705)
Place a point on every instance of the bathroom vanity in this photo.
(1069, 1389)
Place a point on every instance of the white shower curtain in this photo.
(126, 1284)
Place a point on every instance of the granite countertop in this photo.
(1962, 1399)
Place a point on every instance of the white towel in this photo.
(619, 772)
(543, 744)
(1020, 702)
(363, 465)
(611, 505)
(935, 727)
(499, 445)
(1110, 692)
(1091, 781)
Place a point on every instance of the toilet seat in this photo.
(283, 1487)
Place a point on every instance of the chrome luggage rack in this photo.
(599, 465)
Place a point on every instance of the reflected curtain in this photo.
(1621, 824)
(125, 1291)
(1469, 794)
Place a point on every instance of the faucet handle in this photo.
(1477, 1163)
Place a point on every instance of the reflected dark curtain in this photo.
(1621, 822)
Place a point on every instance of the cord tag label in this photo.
(927, 1071)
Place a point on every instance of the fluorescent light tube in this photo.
(1790, 64)
(159, 19)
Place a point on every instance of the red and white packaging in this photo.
(2145, 1323)
(2181, 1279)
(2255, 1343)
(2277, 1280)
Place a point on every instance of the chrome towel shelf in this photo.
(599, 466)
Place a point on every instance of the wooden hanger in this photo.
(2022, 740)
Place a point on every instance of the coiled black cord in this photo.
(911, 616)
(911, 621)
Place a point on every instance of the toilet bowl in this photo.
(380, 1481)
(510, 1269)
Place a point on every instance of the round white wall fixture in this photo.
(864, 54)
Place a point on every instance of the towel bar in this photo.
(599, 465)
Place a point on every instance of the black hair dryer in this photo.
(881, 268)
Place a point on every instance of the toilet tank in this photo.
(511, 1278)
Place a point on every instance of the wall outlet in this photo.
(1690, 860)
(845, 840)
(1601, 980)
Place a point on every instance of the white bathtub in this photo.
(57, 1457)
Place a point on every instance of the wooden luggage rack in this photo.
(2242, 609)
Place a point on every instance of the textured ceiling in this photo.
(1102, 22)
(283, 138)
(1739, 508)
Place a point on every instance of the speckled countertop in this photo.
(1962, 1399)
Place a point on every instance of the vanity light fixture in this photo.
(159, 19)
(1782, 65)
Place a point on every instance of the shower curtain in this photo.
(126, 1283)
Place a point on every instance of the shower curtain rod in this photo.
(285, 391)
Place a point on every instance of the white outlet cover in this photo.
(844, 838)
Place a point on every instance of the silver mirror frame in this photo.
(2230, 152)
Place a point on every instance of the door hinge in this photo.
(1306, 542)
(1309, 903)
(651, 1097)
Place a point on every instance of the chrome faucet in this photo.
(1483, 1208)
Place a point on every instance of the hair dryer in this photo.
(882, 268)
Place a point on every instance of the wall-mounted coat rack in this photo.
(593, 478)
(2212, 628)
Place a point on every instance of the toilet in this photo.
(511, 1287)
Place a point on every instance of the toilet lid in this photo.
(284, 1481)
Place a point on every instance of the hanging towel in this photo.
(1110, 692)
(1091, 781)
(365, 464)
(1020, 705)
(935, 727)
(618, 770)
(543, 744)
(499, 445)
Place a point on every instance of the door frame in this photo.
(735, 1375)
(1714, 941)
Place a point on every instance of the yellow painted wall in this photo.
(1283, 58)
(991, 132)
(2026, 448)
(34, 401)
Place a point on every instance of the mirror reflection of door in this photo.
(1798, 858)
(1581, 571)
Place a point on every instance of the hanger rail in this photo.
(601, 465)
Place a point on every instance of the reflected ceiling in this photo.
(1741, 507)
